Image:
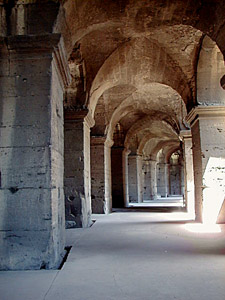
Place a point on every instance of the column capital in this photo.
(133, 155)
(50, 44)
(185, 134)
(32, 43)
(152, 161)
(97, 140)
(205, 112)
(79, 115)
(109, 142)
(101, 140)
(126, 151)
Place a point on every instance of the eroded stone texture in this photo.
(101, 175)
(31, 154)
(153, 180)
(147, 179)
(132, 178)
(175, 175)
(97, 174)
(140, 178)
(162, 187)
(77, 178)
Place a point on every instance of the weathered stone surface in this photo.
(77, 180)
(132, 70)
(31, 159)
(100, 175)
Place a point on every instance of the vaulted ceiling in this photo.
(135, 63)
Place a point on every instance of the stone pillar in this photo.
(125, 177)
(153, 180)
(108, 176)
(117, 177)
(208, 137)
(175, 178)
(147, 178)
(188, 170)
(32, 222)
(162, 177)
(132, 178)
(140, 178)
(167, 175)
(182, 188)
(98, 174)
(101, 194)
(77, 178)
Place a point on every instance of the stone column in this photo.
(139, 178)
(153, 181)
(32, 213)
(77, 178)
(188, 170)
(182, 187)
(101, 193)
(98, 174)
(132, 178)
(108, 176)
(162, 188)
(208, 137)
(167, 176)
(147, 179)
(125, 177)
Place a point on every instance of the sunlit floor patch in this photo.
(203, 228)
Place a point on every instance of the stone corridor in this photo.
(107, 105)
(130, 255)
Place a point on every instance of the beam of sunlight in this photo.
(213, 197)
(203, 228)
(214, 191)
(213, 200)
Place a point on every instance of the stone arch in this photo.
(109, 103)
(124, 21)
(77, 20)
(146, 123)
(169, 107)
(126, 66)
(210, 69)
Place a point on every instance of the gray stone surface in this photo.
(77, 179)
(31, 156)
(98, 175)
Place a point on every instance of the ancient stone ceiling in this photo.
(138, 60)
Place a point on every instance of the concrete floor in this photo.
(130, 256)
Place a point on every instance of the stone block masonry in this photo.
(77, 179)
(31, 154)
